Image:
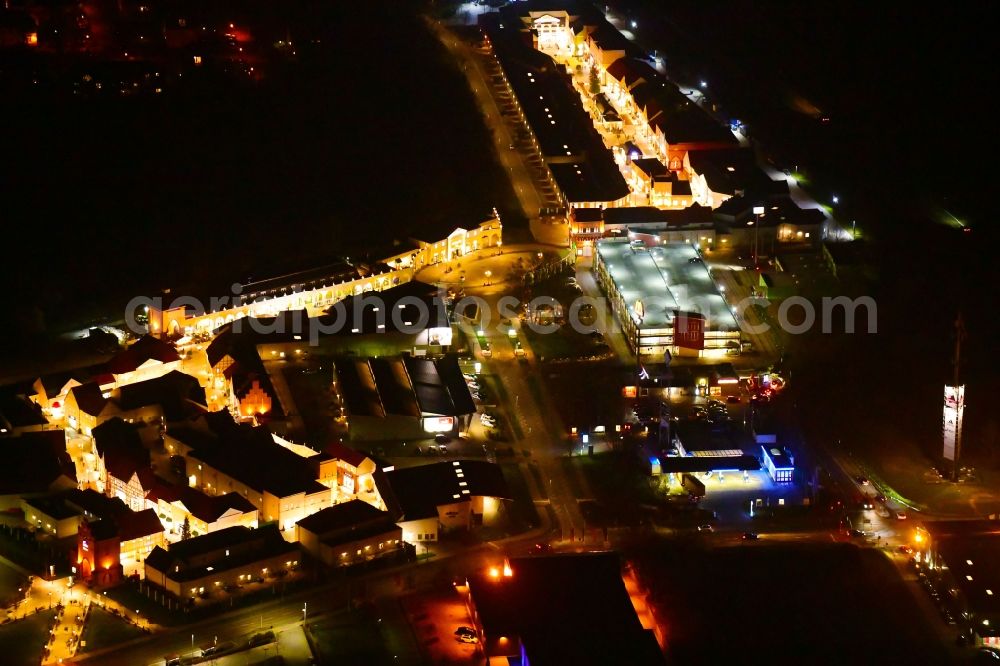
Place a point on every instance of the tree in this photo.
(595, 82)
(186, 529)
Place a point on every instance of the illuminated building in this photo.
(222, 457)
(116, 544)
(398, 397)
(204, 513)
(123, 464)
(354, 474)
(206, 565)
(553, 610)
(316, 290)
(35, 464)
(651, 289)
(50, 516)
(445, 496)
(959, 557)
(349, 533)
(174, 396)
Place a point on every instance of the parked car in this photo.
(467, 631)
(468, 638)
(900, 515)
(750, 536)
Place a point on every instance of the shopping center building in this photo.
(666, 299)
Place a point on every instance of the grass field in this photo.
(21, 642)
(104, 629)
(10, 580)
(349, 638)
(785, 604)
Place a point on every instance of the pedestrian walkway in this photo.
(65, 636)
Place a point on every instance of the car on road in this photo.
(906, 550)
(705, 528)
(900, 515)
(466, 631)
(468, 638)
(750, 536)
(854, 532)
(733, 399)
(861, 480)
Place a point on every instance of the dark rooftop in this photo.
(343, 517)
(407, 385)
(33, 461)
(416, 492)
(144, 349)
(735, 171)
(53, 507)
(566, 609)
(179, 394)
(89, 398)
(193, 558)
(250, 455)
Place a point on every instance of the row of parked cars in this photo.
(943, 604)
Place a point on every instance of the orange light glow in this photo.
(494, 572)
(507, 571)
(31, 39)
(918, 537)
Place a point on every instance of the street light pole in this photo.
(757, 211)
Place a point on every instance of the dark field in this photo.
(807, 604)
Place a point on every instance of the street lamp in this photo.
(836, 199)
(704, 84)
(757, 211)
(305, 610)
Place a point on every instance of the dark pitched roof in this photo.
(177, 393)
(89, 398)
(33, 461)
(145, 348)
(416, 492)
(781, 210)
(220, 539)
(439, 385)
(120, 445)
(159, 559)
(339, 451)
(102, 530)
(651, 166)
(136, 524)
(251, 455)
(341, 517)
(193, 558)
(734, 171)
(53, 506)
(211, 508)
(357, 314)
(94, 504)
(17, 411)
